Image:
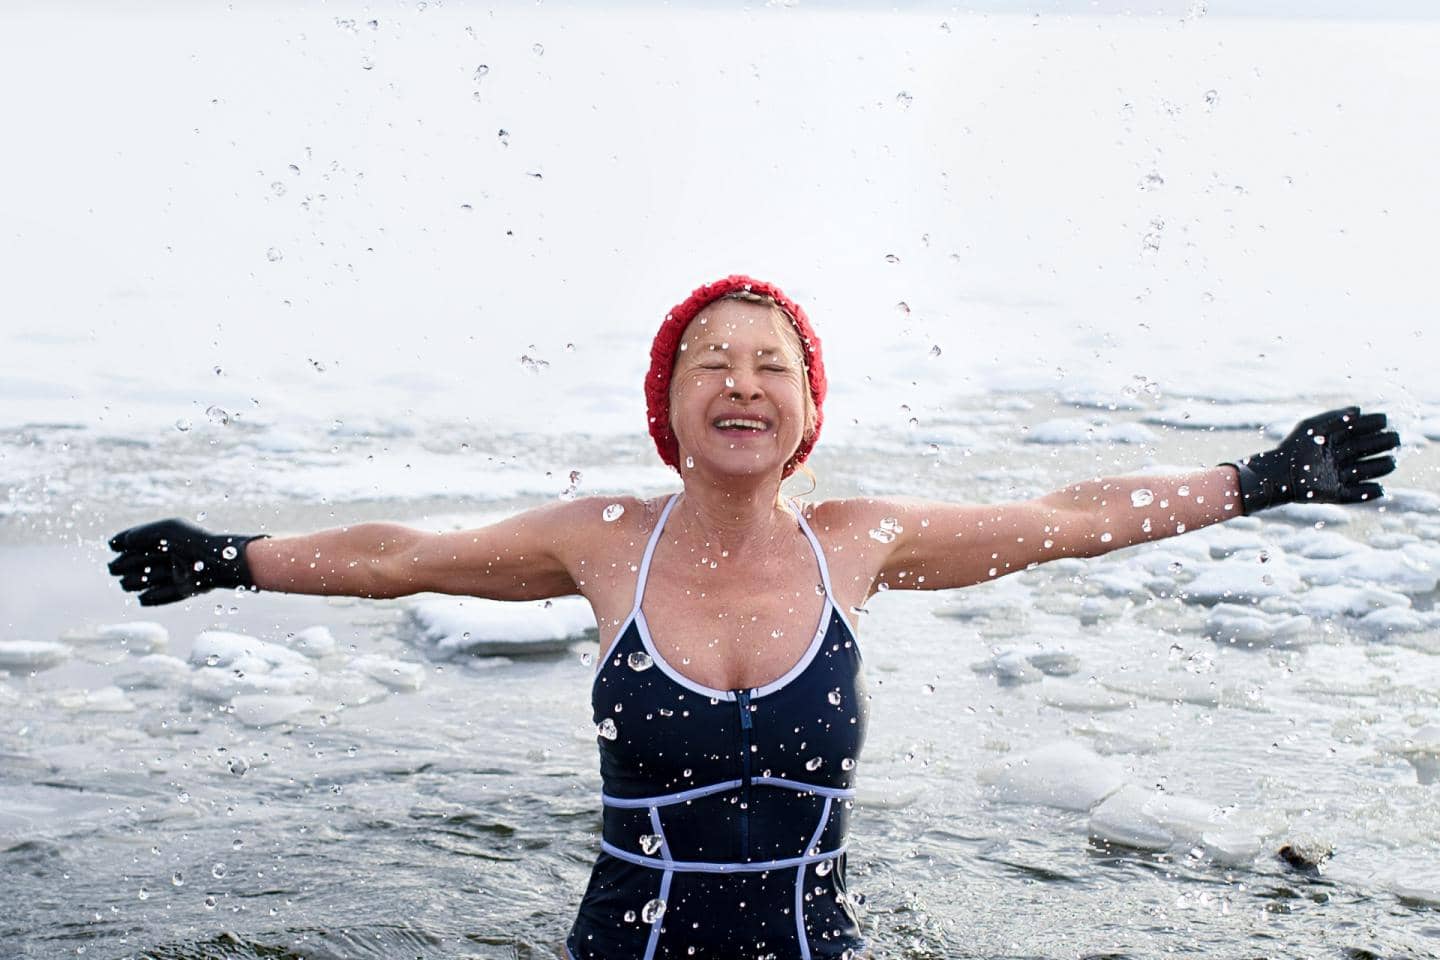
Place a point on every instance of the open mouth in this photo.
(741, 424)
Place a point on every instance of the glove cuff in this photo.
(1257, 490)
(234, 571)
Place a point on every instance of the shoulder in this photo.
(603, 521)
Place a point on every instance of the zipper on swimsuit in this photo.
(742, 701)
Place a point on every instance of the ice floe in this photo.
(1154, 820)
(312, 642)
(1248, 626)
(1064, 775)
(1066, 431)
(450, 626)
(139, 635)
(109, 699)
(32, 654)
(396, 674)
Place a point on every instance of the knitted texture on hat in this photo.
(667, 344)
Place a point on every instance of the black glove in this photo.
(1329, 458)
(170, 560)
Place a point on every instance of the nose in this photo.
(742, 385)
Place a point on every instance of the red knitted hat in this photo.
(667, 344)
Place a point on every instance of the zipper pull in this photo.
(743, 698)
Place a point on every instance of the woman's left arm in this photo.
(1330, 458)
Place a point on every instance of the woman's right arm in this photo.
(530, 556)
(520, 558)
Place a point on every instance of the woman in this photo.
(729, 700)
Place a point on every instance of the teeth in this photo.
(747, 424)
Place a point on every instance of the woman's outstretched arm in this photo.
(1331, 458)
(525, 557)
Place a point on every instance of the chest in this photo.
(732, 629)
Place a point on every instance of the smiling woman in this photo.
(729, 701)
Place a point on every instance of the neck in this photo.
(733, 520)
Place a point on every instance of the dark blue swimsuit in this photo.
(725, 811)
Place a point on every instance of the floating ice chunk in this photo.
(1125, 583)
(1309, 514)
(1324, 603)
(219, 684)
(32, 654)
(1008, 667)
(141, 635)
(1179, 687)
(1148, 820)
(1238, 581)
(395, 674)
(1199, 415)
(1082, 697)
(1422, 750)
(1249, 627)
(1411, 500)
(153, 671)
(999, 598)
(1064, 775)
(1389, 569)
(353, 689)
(1321, 544)
(101, 700)
(1225, 541)
(30, 809)
(1108, 742)
(1393, 621)
(1054, 663)
(264, 710)
(1424, 891)
(449, 626)
(313, 642)
(1068, 431)
(219, 648)
(1430, 429)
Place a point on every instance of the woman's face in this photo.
(737, 397)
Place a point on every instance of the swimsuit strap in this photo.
(815, 545)
(650, 552)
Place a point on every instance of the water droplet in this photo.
(935, 351)
(218, 871)
(927, 688)
(1048, 544)
(1175, 566)
(629, 916)
(198, 565)
(177, 879)
(238, 766)
(1179, 528)
(209, 903)
(607, 729)
(367, 63)
(822, 868)
(1151, 181)
(834, 697)
(1264, 556)
(183, 424)
(1182, 490)
(1211, 98)
(653, 910)
(586, 658)
(1145, 525)
(904, 99)
(650, 843)
(892, 258)
(481, 71)
(639, 661)
(1319, 439)
(229, 553)
(612, 513)
(538, 49)
(533, 364)
(183, 796)
(1197, 9)
(847, 764)
(1106, 537)
(144, 894)
(218, 415)
(1141, 497)
(274, 255)
(887, 531)
(813, 763)
(278, 188)
(1150, 242)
